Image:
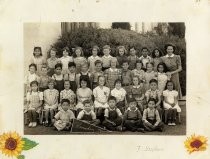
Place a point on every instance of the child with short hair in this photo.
(149, 74)
(112, 74)
(137, 92)
(153, 92)
(44, 79)
(138, 71)
(133, 117)
(120, 94)
(83, 93)
(71, 76)
(121, 51)
(113, 116)
(87, 114)
(145, 58)
(156, 55)
(34, 103)
(79, 58)
(58, 77)
(84, 73)
(38, 59)
(93, 58)
(98, 72)
(63, 119)
(132, 58)
(52, 61)
(65, 59)
(32, 76)
(50, 102)
(67, 93)
(170, 102)
(151, 118)
(101, 94)
(126, 76)
(106, 58)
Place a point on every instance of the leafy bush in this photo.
(87, 37)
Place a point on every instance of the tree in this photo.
(120, 25)
(177, 29)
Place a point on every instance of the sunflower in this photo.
(196, 143)
(11, 144)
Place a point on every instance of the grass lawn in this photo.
(179, 129)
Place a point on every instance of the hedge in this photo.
(87, 37)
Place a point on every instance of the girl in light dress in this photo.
(67, 93)
(65, 59)
(38, 59)
(79, 58)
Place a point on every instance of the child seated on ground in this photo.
(151, 117)
(170, 102)
(87, 114)
(50, 102)
(113, 116)
(133, 117)
(63, 119)
(120, 94)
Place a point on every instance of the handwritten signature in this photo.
(149, 148)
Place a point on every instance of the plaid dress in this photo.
(112, 75)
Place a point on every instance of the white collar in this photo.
(136, 86)
(170, 56)
(145, 57)
(131, 110)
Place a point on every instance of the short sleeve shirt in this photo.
(170, 95)
(65, 116)
(119, 94)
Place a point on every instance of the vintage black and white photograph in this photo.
(119, 78)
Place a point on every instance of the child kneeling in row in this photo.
(87, 114)
(151, 117)
(63, 119)
(133, 117)
(113, 116)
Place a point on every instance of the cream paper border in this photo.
(197, 20)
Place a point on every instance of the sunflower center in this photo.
(11, 144)
(196, 143)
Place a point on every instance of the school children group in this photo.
(126, 92)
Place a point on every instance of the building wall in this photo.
(39, 34)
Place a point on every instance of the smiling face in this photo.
(113, 63)
(170, 50)
(94, 52)
(138, 66)
(149, 67)
(118, 85)
(132, 105)
(37, 52)
(133, 52)
(67, 85)
(50, 85)
(170, 86)
(65, 106)
(32, 69)
(78, 52)
(125, 66)
(101, 81)
(98, 67)
(83, 84)
(65, 53)
(135, 81)
(160, 68)
(58, 70)
(145, 52)
(52, 54)
(87, 107)
(84, 68)
(106, 52)
(34, 87)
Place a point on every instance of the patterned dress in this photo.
(162, 80)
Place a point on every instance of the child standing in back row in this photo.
(98, 72)
(52, 61)
(106, 59)
(93, 58)
(79, 58)
(132, 58)
(121, 51)
(65, 59)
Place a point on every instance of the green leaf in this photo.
(21, 157)
(28, 144)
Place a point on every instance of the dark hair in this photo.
(53, 49)
(66, 81)
(112, 98)
(132, 47)
(103, 77)
(106, 47)
(117, 81)
(153, 52)
(71, 64)
(149, 63)
(65, 100)
(144, 48)
(33, 65)
(169, 82)
(167, 45)
(58, 65)
(34, 82)
(39, 48)
(164, 67)
(152, 99)
(87, 101)
(66, 49)
(51, 81)
(139, 61)
(84, 78)
(131, 100)
(97, 62)
(153, 81)
(125, 61)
